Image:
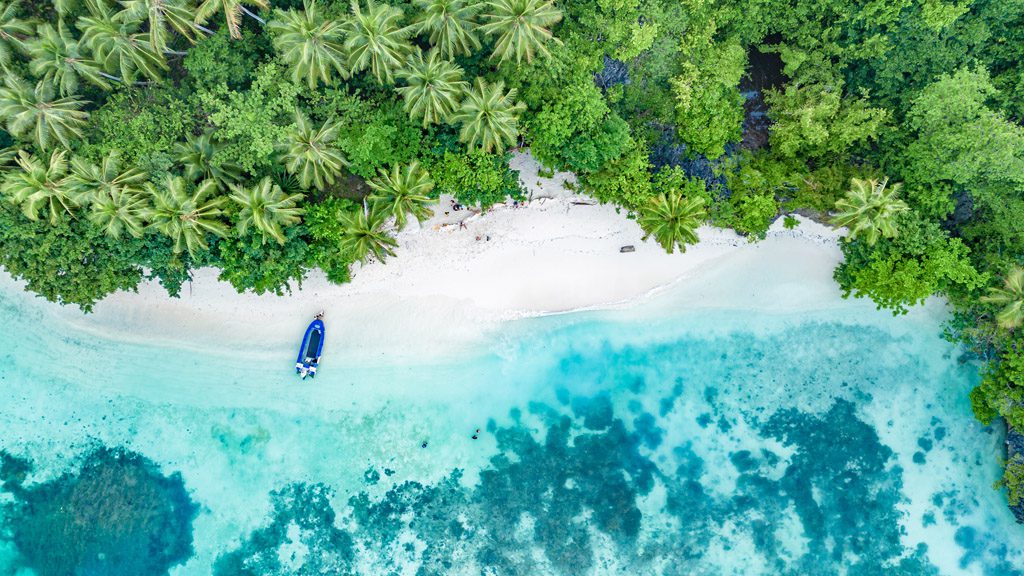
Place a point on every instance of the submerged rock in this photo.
(116, 515)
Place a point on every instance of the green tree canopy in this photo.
(161, 17)
(12, 30)
(118, 45)
(232, 9)
(198, 156)
(815, 121)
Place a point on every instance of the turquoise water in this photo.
(684, 442)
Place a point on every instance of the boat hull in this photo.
(308, 360)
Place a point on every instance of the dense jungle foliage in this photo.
(146, 138)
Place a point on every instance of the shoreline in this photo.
(450, 285)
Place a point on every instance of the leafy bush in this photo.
(252, 122)
(218, 59)
(326, 233)
(143, 126)
(900, 272)
(475, 178)
(250, 263)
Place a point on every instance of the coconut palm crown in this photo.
(186, 216)
(112, 192)
(266, 208)
(376, 40)
(673, 220)
(40, 187)
(450, 24)
(89, 181)
(307, 152)
(433, 89)
(1011, 297)
(198, 156)
(58, 58)
(13, 30)
(117, 44)
(232, 9)
(312, 46)
(363, 234)
(161, 17)
(402, 192)
(521, 28)
(36, 113)
(489, 117)
(870, 209)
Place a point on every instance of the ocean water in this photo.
(661, 441)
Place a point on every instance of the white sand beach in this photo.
(451, 284)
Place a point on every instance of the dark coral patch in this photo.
(302, 512)
(116, 515)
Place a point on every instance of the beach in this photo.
(697, 398)
(450, 285)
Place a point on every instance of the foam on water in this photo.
(676, 442)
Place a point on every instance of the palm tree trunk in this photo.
(121, 80)
(203, 29)
(251, 15)
(175, 53)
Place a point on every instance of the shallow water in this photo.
(676, 442)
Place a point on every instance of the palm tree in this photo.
(307, 152)
(233, 10)
(311, 45)
(37, 114)
(434, 87)
(521, 27)
(197, 155)
(673, 220)
(489, 116)
(161, 14)
(58, 58)
(117, 46)
(119, 212)
(363, 234)
(869, 210)
(13, 31)
(1010, 297)
(451, 25)
(266, 208)
(376, 40)
(90, 182)
(402, 192)
(186, 217)
(40, 187)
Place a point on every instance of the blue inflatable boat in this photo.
(312, 347)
